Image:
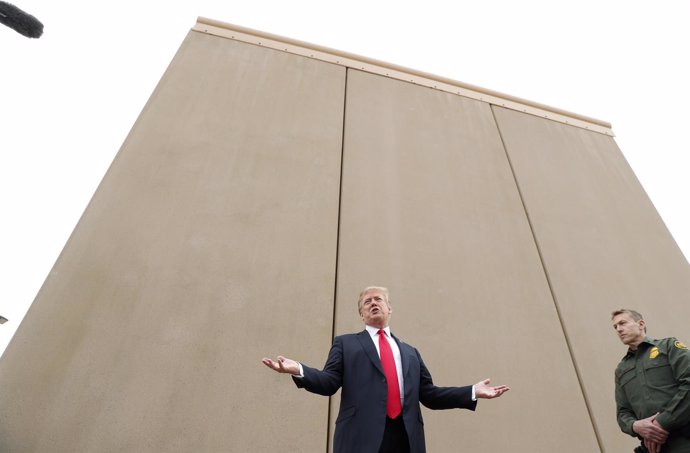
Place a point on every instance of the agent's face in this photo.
(630, 332)
(375, 309)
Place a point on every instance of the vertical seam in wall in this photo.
(548, 282)
(337, 243)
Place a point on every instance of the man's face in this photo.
(375, 309)
(629, 331)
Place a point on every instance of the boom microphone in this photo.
(19, 21)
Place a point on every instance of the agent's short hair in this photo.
(381, 289)
(636, 316)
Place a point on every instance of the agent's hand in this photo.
(482, 389)
(282, 365)
(650, 430)
(652, 446)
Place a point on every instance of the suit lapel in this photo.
(370, 349)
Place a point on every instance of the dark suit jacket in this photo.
(354, 365)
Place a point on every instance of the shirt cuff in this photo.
(301, 373)
(474, 397)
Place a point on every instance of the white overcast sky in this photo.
(69, 99)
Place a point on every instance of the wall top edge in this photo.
(248, 35)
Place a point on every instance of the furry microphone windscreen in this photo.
(19, 21)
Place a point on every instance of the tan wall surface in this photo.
(604, 247)
(430, 209)
(212, 234)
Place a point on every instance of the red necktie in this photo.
(393, 408)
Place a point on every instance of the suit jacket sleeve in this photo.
(435, 397)
(327, 381)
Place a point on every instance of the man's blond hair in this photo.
(369, 289)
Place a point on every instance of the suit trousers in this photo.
(395, 437)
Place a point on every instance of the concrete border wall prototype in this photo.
(264, 184)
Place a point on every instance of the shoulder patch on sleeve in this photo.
(680, 345)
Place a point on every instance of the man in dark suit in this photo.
(383, 381)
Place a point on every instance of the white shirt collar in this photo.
(374, 330)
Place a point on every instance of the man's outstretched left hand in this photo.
(482, 389)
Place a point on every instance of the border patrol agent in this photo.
(652, 387)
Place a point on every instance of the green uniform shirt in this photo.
(654, 378)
